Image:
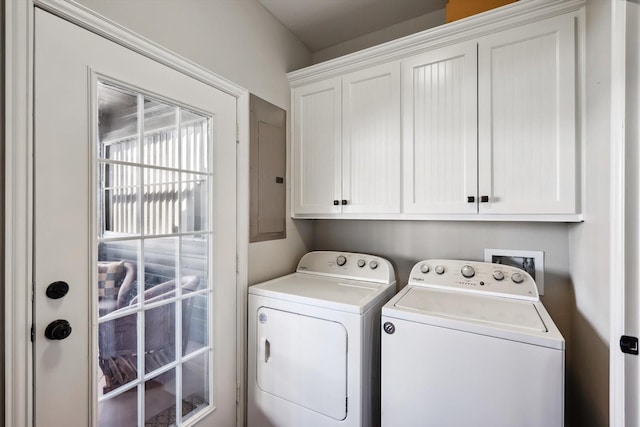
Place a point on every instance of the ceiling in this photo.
(323, 23)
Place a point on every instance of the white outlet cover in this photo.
(538, 257)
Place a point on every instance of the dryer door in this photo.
(303, 359)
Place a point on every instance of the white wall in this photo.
(241, 41)
(589, 242)
(411, 26)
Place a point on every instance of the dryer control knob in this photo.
(424, 268)
(498, 275)
(468, 271)
(517, 278)
(439, 269)
(361, 263)
(341, 260)
(373, 265)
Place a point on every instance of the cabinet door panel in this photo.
(316, 156)
(440, 130)
(371, 140)
(527, 110)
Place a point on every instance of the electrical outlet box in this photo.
(530, 261)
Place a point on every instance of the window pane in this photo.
(195, 327)
(194, 261)
(194, 193)
(195, 385)
(160, 331)
(117, 275)
(194, 141)
(118, 204)
(160, 146)
(160, 400)
(161, 208)
(117, 124)
(120, 411)
(117, 352)
(160, 257)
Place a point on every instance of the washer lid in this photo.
(495, 311)
(353, 296)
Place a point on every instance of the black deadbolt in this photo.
(58, 330)
(57, 290)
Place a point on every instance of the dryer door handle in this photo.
(267, 350)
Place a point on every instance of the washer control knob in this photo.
(498, 275)
(424, 268)
(439, 269)
(517, 278)
(373, 265)
(341, 260)
(361, 263)
(468, 271)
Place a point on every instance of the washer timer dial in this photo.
(341, 260)
(468, 271)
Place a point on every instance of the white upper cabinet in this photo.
(527, 119)
(371, 140)
(346, 144)
(474, 120)
(317, 147)
(440, 130)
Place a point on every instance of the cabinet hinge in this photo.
(237, 264)
(237, 133)
(238, 394)
(346, 404)
(33, 333)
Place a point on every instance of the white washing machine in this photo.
(314, 343)
(470, 344)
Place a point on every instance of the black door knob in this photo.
(58, 330)
(57, 290)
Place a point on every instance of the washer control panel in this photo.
(475, 277)
(348, 265)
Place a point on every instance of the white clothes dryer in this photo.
(314, 343)
(470, 344)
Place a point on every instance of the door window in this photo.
(153, 273)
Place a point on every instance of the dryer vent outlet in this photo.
(530, 261)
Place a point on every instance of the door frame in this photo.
(19, 31)
(624, 199)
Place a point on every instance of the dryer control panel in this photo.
(347, 265)
(474, 277)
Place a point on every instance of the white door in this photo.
(303, 360)
(371, 140)
(527, 119)
(135, 204)
(316, 148)
(439, 99)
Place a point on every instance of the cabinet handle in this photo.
(471, 199)
(336, 203)
(344, 202)
(484, 199)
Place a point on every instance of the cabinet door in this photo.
(439, 92)
(371, 140)
(315, 154)
(527, 119)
